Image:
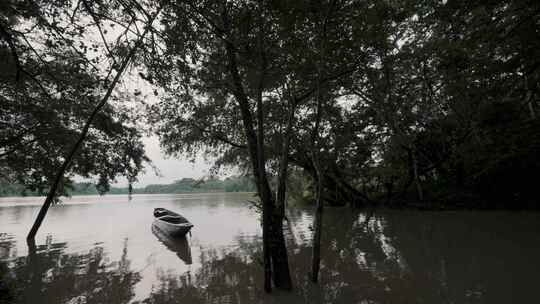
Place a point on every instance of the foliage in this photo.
(424, 101)
(185, 185)
(439, 95)
(189, 185)
(54, 77)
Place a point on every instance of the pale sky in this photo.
(171, 169)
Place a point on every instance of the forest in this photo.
(184, 185)
(364, 103)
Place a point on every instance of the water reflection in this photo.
(178, 245)
(389, 257)
(48, 275)
(232, 277)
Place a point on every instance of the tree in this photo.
(52, 100)
(236, 86)
(432, 93)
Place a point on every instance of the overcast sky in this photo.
(170, 169)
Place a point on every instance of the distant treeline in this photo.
(185, 185)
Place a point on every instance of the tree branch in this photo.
(12, 48)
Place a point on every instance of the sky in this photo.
(170, 169)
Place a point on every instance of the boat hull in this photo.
(176, 230)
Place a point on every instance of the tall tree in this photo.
(242, 73)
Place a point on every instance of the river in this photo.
(94, 249)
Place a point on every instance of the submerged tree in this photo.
(374, 101)
(242, 86)
(231, 71)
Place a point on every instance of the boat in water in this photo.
(171, 223)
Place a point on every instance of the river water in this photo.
(94, 249)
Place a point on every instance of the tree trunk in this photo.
(531, 110)
(261, 162)
(65, 165)
(33, 262)
(274, 249)
(316, 250)
(419, 190)
(389, 187)
(284, 161)
(530, 106)
(280, 260)
(529, 99)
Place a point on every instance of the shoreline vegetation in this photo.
(184, 185)
(397, 104)
(301, 192)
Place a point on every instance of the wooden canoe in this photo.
(171, 222)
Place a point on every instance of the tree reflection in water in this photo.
(234, 276)
(49, 275)
(392, 257)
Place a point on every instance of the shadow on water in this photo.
(390, 257)
(178, 245)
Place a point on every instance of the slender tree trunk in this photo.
(530, 104)
(529, 99)
(284, 161)
(273, 240)
(316, 250)
(65, 165)
(389, 187)
(419, 190)
(531, 110)
(261, 162)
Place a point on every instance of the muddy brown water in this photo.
(94, 249)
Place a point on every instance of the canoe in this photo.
(171, 223)
(178, 245)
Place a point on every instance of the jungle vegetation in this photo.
(431, 104)
(184, 185)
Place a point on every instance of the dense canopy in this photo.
(356, 102)
(54, 72)
(431, 100)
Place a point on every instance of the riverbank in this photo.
(182, 186)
